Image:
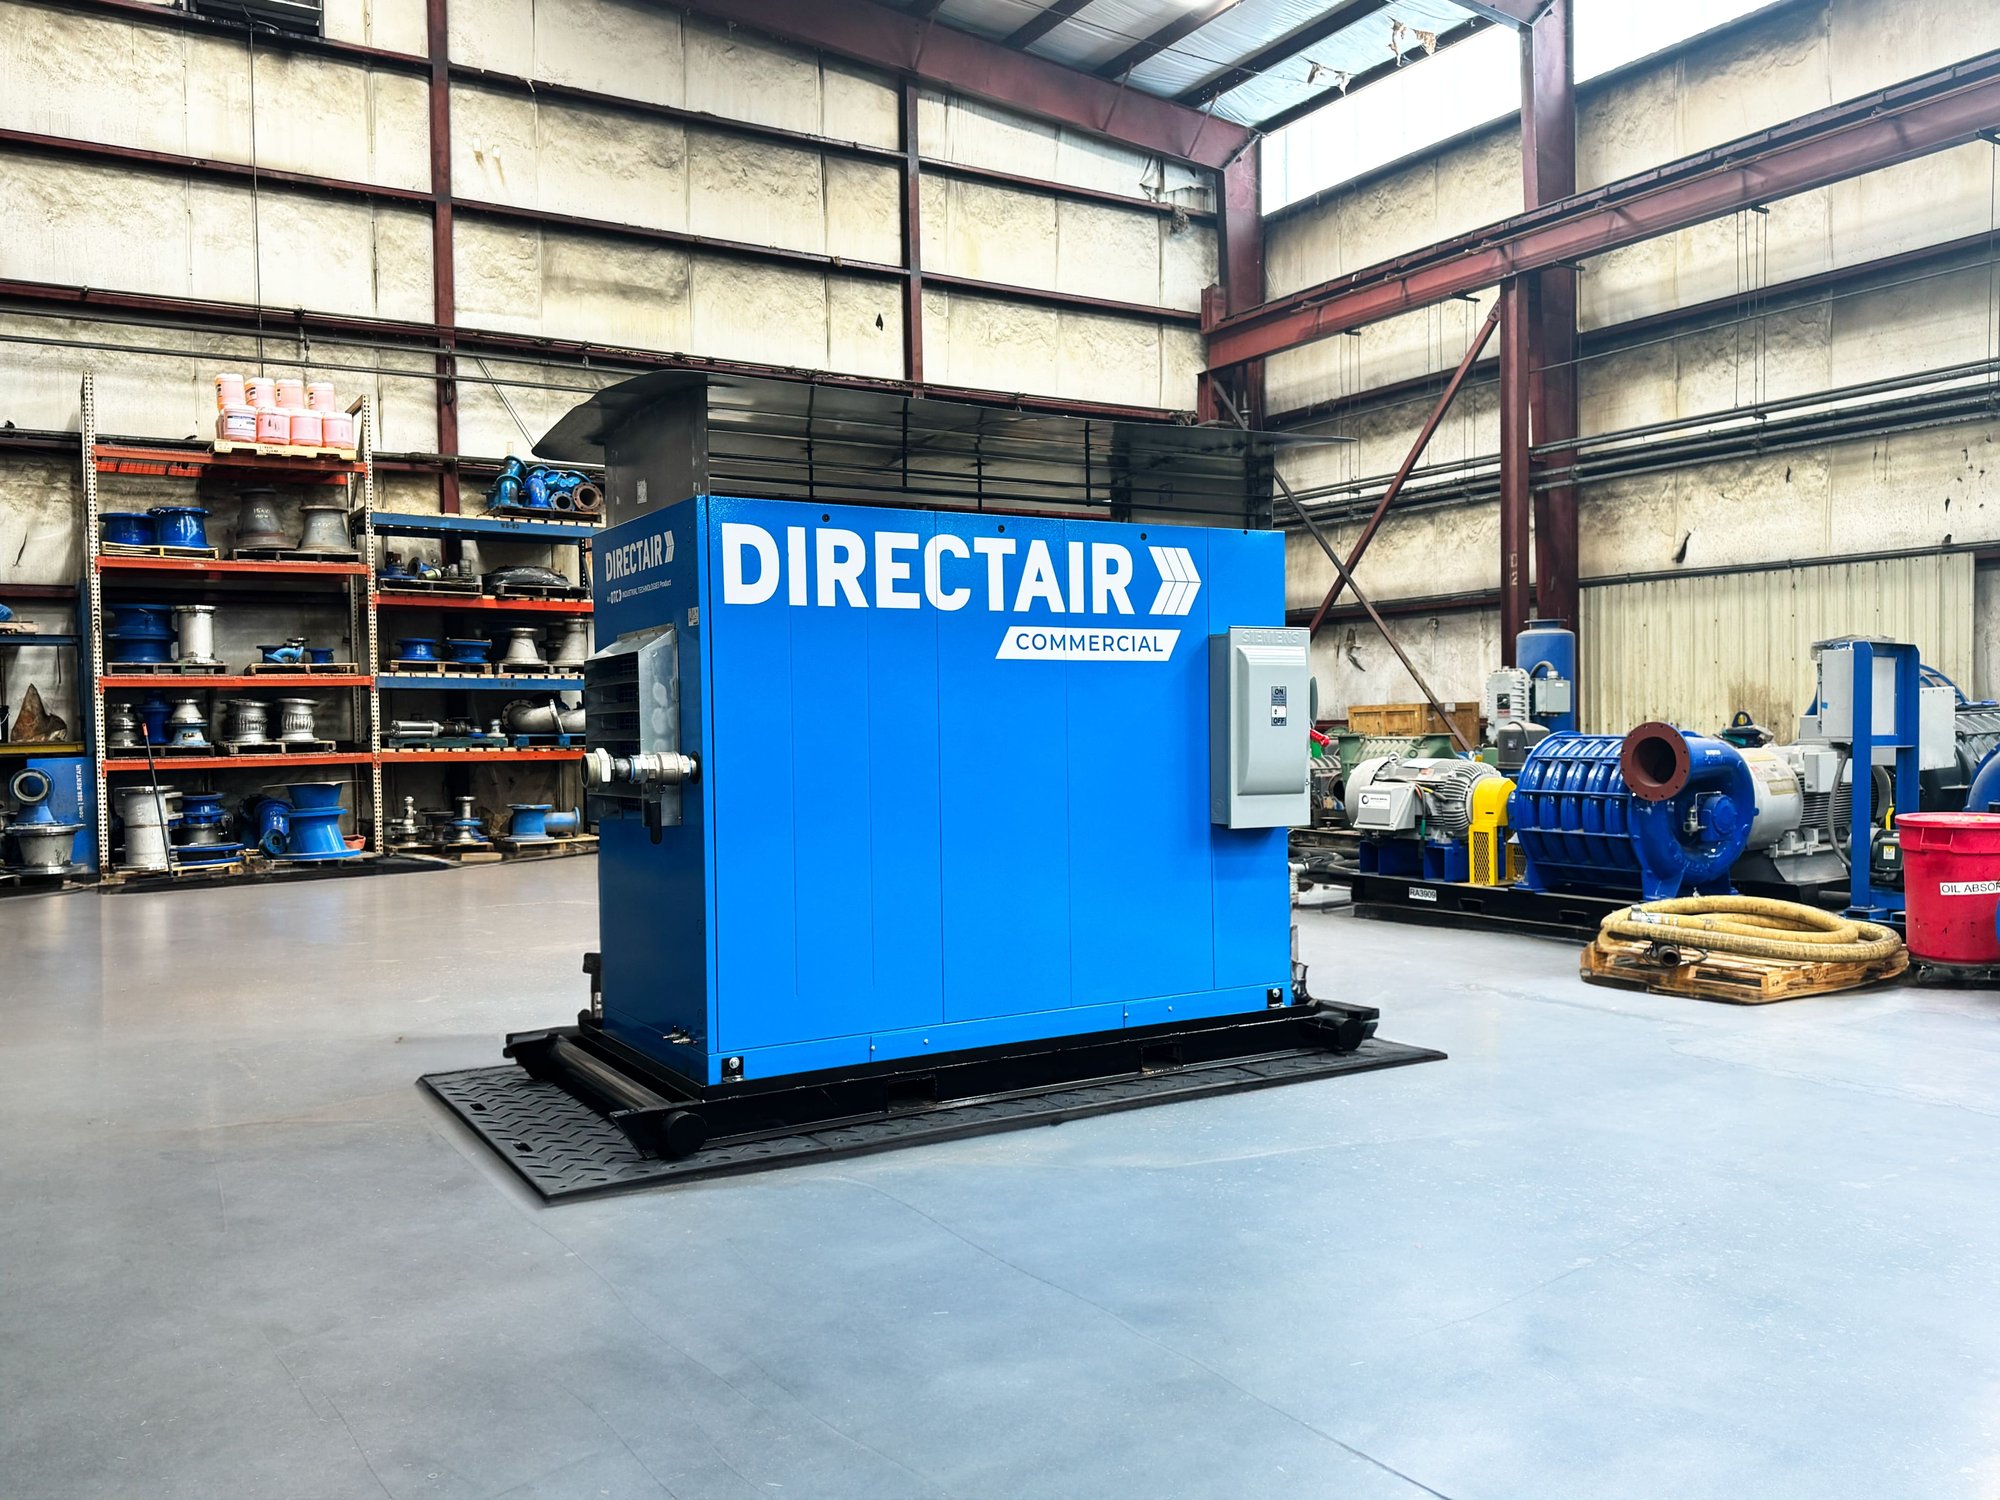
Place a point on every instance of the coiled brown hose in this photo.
(1754, 926)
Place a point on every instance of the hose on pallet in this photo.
(1755, 927)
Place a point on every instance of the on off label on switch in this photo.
(1278, 705)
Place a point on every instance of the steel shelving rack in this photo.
(213, 580)
(579, 533)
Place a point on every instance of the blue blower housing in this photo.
(1655, 811)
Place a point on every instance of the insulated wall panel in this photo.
(1694, 651)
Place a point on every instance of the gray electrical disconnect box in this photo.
(1259, 697)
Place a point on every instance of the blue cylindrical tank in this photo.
(1654, 811)
(1548, 649)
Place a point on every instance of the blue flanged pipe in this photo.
(417, 648)
(1656, 811)
(290, 654)
(469, 653)
(141, 633)
(529, 823)
(180, 525)
(201, 809)
(153, 715)
(273, 817)
(563, 824)
(315, 820)
(129, 528)
(31, 788)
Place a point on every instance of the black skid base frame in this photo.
(580, 1115)
(1399, 898)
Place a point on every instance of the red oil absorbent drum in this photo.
(1951, 886)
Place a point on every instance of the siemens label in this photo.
(830, 567)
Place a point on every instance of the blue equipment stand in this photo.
(1867, 900)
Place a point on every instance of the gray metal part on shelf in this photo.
(295, 721)
(1259, 753)
(532, 716)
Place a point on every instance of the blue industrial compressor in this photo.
(1654, 811)
(903, 805)
(904, 768)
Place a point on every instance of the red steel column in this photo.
(1514, 507)
(1548, 157)
(1239, 235)
(444, 289)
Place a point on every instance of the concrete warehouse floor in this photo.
(1616, 1246)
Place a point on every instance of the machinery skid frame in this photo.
(687, 1130)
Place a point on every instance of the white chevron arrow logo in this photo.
(1179, 581)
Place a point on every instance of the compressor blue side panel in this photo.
(1253, 900)
(905, 792)
(826, 801)
(1003, 740)
(1141, 909)
(749, 782)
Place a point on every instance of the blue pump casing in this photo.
(937, 808)
(1581, 828)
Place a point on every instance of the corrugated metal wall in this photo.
(1695, 650)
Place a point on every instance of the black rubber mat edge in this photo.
(566, 1151)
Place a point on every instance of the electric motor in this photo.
(1389, 794)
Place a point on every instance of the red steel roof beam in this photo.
(983, 69)
(1914, 119)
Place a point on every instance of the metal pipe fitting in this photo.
(657, 768)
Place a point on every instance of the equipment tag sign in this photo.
(1422, 893)
(1968, 887)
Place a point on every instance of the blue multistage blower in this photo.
(1657, 811)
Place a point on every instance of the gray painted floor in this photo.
(1616, 1246)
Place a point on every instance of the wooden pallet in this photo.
(128, 549)
(278, 747)
(164, 669)
(296, 554)
(545, 514)
(307, 668)
(1728, 977)
(19, 627)
(540, 592)
(441, 668)
(284, 450)
(420, 587)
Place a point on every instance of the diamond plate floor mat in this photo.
(565, 1150)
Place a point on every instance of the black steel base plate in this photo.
(1405, 898)
(565, 1150)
